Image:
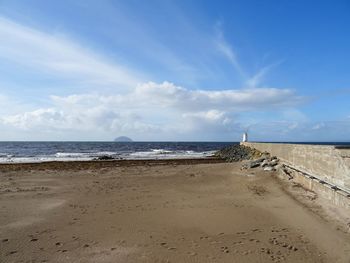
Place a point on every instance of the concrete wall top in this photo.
(329, 163)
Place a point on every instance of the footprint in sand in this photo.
(276, 242)
(225, 249)
(290, 247)
(5, 240)
(254, 240)
(265, 250)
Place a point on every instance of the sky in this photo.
(181, 70)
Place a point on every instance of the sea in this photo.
(29, 152)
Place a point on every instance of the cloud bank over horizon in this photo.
(156, 109)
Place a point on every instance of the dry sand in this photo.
(157, 212)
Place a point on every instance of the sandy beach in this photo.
(158, 211)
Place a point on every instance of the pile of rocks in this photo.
(237, 152)
(106, 158)
(103, 158)
(266, 162)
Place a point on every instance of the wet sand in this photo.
(158, 211)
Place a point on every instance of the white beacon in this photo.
(245, 137)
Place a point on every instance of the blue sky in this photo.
(175, 70)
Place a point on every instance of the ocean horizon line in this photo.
(174, 141)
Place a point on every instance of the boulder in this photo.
(264, 163)
(104, 158)
(274, 162)
(254, 164)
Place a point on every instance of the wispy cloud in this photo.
(52, 53)
(168, 94)
(227, 50)
(252, 81)
(255, 80)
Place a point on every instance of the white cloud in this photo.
(11, 105)
(164, 111)
(209, 122)
(167, 95)
(211, 115)
(55, 54)
(151, 108)
(237, 100)
(318, 126)
(41, 118)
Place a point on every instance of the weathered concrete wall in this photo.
(336, 197)
(326, 162)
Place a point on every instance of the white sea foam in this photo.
(166, 154)
(70, 156)
(41, 159)
(5, 155)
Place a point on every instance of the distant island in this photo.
(123, 139)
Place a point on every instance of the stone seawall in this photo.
(328, 163)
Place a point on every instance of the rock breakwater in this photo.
(236, 153)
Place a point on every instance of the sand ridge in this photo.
(173, 212)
